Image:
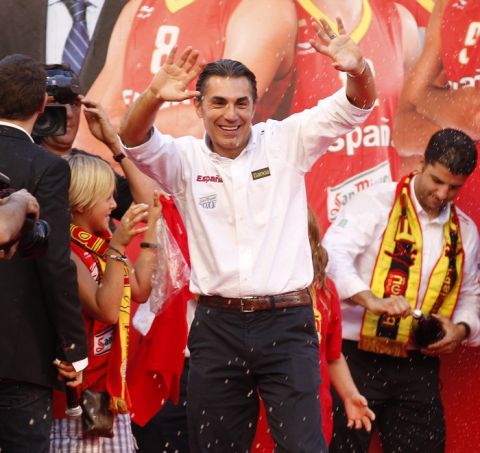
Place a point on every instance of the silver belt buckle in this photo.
(246, 307)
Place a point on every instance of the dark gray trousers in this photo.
(237, 356)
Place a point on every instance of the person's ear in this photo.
(421, 160)
(198, 106)
(78, 210)
(253, 110)
(45, 102)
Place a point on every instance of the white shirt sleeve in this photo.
(160, 159)
(349, 241)
(467, 309)
(80, 365)
(310, 132)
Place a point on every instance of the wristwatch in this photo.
(119, 157)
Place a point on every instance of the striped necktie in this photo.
(77, 43)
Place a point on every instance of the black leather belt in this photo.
(258, 303)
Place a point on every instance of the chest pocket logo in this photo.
(208, 202)
(261, 173)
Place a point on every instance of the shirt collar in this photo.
(252, 141)
(441, 219)
(16, 126)
(95, 3)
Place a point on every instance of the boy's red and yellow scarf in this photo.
(96, 248)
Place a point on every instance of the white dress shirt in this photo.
(353, 242)
(248, 236)
(59, 23)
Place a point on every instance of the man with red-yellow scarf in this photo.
(395, 248)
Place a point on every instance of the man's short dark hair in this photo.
(22, 87)
(454, 149)
(226, 68)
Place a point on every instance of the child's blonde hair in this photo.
(92, 180)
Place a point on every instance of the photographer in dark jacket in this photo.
(134, 185)
(41, 319)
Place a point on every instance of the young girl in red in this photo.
(107, 281)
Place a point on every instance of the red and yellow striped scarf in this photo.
(117, 365)
(398, 272)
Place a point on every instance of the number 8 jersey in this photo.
(159, 25)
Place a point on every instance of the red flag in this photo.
(155, 369)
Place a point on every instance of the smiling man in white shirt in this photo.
(241, 193)
(395, 248)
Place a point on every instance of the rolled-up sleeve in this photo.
(160, 159)
(358, 226)
(467, 309)
(310, 132)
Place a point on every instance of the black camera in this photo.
(33, 237)
(64, 87)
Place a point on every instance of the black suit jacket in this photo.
(23, 25)
(40, 313)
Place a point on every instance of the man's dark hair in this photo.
(226, 68)
(453, 149)
(22, 87)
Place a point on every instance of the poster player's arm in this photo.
(411, 50)
(268, 47)
(460, 108)
(413, 129)
(410, 38)
(107, 88)
(427, 105)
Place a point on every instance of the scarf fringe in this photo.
(118, 404)
(381, 345)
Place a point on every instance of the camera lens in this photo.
(52, 122)
(34, 239)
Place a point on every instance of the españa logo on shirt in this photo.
(216, 178)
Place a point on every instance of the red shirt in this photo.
(328, 309)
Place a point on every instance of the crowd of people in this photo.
(298, 330)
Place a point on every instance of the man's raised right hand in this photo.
(171, 81)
